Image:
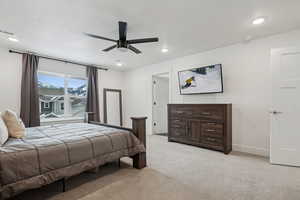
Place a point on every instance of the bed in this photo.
(52, 153)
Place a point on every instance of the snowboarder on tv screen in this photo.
(188, 82)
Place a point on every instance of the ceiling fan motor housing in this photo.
(122, 44)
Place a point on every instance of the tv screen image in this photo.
(201, 80)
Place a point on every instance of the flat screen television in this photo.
(201, 80)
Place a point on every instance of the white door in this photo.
(285, 111)
(160, 102)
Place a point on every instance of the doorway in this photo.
(160, 100)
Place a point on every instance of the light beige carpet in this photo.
(147, 184)
(237, 176)
(116, 184)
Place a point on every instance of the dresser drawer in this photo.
(212, 129)
(178, 123)
(213, 125)
(177, 132)
(181, 113)
(212, 141)
(209, 113)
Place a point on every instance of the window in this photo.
(62, 106)
(63, 97)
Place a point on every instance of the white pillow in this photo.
(14, 124)
(3, 132)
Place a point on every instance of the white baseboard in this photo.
(251, 150)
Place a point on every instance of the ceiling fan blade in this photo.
(144, 40)
(122, 31)
(135, 50)
(109, 48)
(99, 37)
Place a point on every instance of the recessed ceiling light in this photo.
(164, 50)
(119, 64)
(12, 39)
(258, 21)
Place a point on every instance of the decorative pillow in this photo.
(14, 125)
(3, 132)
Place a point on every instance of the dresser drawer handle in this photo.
(211, 139)
(179, 112)
(211, 123)
(210, 130)
(176, 126)
(205, 113)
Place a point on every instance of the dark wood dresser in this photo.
(203, 125)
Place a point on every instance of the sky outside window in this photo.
(57, 81)
(50, 80)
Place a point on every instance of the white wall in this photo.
(62, 68)
(112, 80)
(246, 71)
(11, 73)
(10, 80)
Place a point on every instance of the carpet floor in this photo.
(237, 176)
(112, 183)
(181, 172)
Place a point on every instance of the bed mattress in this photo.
(49, 153)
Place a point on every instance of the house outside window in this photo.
(61, 96)
(62, 106)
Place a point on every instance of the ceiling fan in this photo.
(123, 43)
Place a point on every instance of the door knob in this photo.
(274, 112)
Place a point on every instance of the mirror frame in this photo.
(105, 90)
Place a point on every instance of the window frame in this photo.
(66, 95)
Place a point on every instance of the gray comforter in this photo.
(50, 153)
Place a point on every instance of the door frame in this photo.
(105, 90)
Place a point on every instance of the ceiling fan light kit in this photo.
(123, 44)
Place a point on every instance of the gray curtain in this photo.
(92, 94)
(30, 113)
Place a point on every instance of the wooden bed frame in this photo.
(139, 130)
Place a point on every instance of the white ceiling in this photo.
(54, 27)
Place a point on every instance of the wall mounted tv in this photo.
(201, 80)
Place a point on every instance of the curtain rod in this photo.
(59, 59)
